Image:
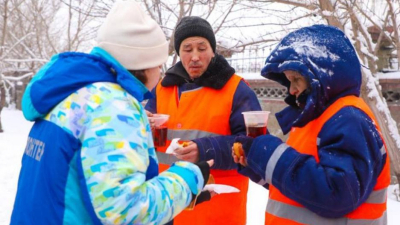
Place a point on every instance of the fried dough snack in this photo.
(185, 144)
(237, 149)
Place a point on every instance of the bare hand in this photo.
(151, 120)
(210, 162)
(242, 160)
(213, 193)
(189, 153)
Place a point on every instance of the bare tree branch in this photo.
(396, 31)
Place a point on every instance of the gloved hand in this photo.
(203, 197)
(205, 170)
(246, 142)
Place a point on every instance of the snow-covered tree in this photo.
(31, 32)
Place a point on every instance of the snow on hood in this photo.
(326, 58)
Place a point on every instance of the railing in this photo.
(272, 94)
(270, 89)
(392, 96)
(247, 65)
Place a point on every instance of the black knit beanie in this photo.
(192, 26)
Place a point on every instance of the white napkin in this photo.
(173, 146)
(220, 188)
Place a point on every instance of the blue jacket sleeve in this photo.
(256, 178)
(244, 100)
(351, 159)
(220, 148)
(151, 104)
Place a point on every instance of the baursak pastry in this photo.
(237, 149)
(184, 144)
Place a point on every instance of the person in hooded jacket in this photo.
(90, 157)
(334, 167)
(205, 100)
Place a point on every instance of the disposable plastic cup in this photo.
(256, 122)
(160, 130)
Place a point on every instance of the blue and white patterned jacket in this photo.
(90, 157)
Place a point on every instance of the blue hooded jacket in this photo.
(330, 65)
(90, 157)
(349, 145)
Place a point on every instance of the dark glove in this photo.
(246, 142)
(205, 170)
(203, 197)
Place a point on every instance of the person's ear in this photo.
(214, 58)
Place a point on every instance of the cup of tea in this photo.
(256, 122)
(160, 130)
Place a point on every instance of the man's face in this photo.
(196, 54)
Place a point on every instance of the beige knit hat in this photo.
(132, 37)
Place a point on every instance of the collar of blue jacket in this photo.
(68, 72)
(326, 58)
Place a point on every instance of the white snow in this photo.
(381, 104)
(389, 75)
(12, 145)
(307, 47)
(251, 76)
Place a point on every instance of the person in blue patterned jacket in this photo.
(90, 157)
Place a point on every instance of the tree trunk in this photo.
(326, 5)
(2, 41)
(2, 102)
(390, 134)
(396, 33)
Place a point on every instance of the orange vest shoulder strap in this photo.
(384, 178)
(343, 102)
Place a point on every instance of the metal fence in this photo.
(247, 65)
(250, 60)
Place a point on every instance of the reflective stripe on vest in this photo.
(189, 134)
(305, 216)
(377, 197)
(167, 159)
(281, 209)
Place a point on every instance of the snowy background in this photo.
(12, 145)
(246, 24)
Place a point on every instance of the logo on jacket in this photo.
(34, 148)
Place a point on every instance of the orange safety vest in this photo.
(204, 112)
(282, 210)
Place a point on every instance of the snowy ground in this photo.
(12, 144)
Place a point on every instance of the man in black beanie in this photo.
(205, 100)
(193, 26)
